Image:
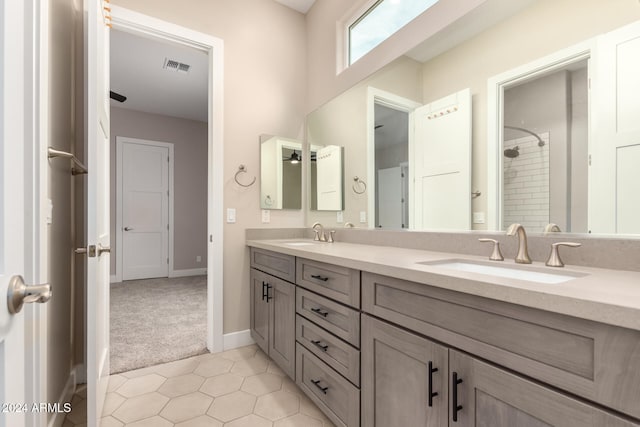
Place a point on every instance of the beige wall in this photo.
(343, 121)
(64, 22)
(189, 139)
(264, 93)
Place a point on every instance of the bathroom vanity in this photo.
(391, 336)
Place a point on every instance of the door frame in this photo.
(495, 119)
(391, 100)
(137, 23)
(120, 141)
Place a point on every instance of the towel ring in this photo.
(243, 169)
(357, 181)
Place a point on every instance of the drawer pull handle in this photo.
(432, 394)
(319, 311)
(265, 291)
(319, 277)
(319, 345)
(317, 384)
(454, 385)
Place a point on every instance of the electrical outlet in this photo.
(339, 217)
(363, 217)
(198, 258)
(478, 217)
(266, 216)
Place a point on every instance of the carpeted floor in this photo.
(157, 320)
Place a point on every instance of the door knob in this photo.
(102, 249)
(128, 228)
(81, 251)
(19, 294)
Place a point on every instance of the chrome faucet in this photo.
(523, 254)
(319, 232)
(551, 228)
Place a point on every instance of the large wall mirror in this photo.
(280, 173)
(536, 146)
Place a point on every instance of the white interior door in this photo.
(97, 128)
(441, 168)
(614, 178)
(144, 169)
(12, 208)
(329, 178)
(389, 187)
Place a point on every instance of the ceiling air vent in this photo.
(173, 65)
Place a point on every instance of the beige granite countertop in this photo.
(607, 296)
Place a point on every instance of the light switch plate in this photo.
(231, 216)
(339, 216)
(266, 216)
(363, 217)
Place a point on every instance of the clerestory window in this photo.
(379, 22)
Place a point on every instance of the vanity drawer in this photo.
(339, 283)
(330, 349)
(338, 319)
(274, 263)
(334, 395)
(590, 359)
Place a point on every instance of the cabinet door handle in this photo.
(267, 295)
(432, 394)
(319, 345)
(317, 384)
(454, 385)
(319, 277)
(320, 312)
(264, 286)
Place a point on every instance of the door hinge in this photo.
(167, 226)
(167, 260)
(589, 159)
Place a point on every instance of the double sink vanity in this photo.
(393, 336)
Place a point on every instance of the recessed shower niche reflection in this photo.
(545, 151)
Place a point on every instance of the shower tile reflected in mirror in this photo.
(545, 150)
(526, 182)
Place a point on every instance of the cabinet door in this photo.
(259, 312)
(282, 324)
(486, 396)
(400, 371)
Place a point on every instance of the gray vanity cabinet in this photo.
(487, 396)
(272, 317)
(404, 378)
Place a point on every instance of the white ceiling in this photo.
(301, 6)
(137, 73)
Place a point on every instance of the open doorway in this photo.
(159, 168)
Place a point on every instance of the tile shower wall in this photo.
(526, 183)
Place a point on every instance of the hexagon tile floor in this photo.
(236, 388)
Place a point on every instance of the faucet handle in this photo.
(496, 255)
(316, 236)
(330, 238)
(554, 257)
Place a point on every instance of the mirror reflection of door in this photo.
(391, 139)
(545, 150)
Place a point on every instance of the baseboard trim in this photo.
(237, 339)
(188, 272)
(57, 418)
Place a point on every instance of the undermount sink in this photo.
(514, 271)
(299, 243)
